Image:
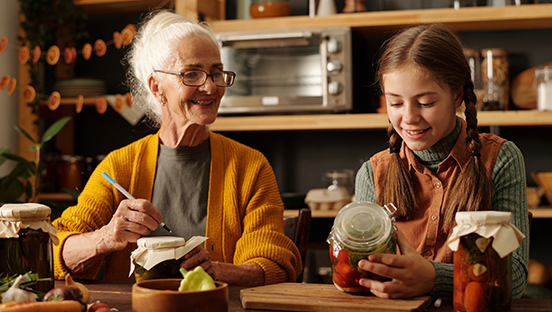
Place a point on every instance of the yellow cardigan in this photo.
(244, 211)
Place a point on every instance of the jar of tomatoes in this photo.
(483, 242)
(360, 229)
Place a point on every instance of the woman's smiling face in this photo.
(420, 110)
(197, 105)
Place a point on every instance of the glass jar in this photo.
(73, 168)
(158, 256)
(474, 61)
(483, 242)
(494, 69)
(26, 237)
(269, 8)
(360, 229)
(543, 76)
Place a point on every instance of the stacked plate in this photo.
(86, 87)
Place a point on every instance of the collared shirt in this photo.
(433, 170)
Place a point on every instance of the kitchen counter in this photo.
(119, 295)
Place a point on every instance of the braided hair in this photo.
(437, 50)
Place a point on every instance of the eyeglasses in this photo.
(196, 78)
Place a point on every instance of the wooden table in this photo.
(119, 295)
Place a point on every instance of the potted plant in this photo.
(22, 184)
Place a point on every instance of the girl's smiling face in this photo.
(421, 110)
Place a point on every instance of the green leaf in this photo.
(54, 129)
(18, 158)
(2, 151)
(24, 133)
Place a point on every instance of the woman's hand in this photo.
(133, 219)
(411, 274)
(198, 257)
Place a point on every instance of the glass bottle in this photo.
(269, 8)
(360, 229)
(26, 237)
(494, 69)
(483, 242)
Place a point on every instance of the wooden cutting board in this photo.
(524, 88)
(322, 298)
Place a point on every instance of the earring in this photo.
(163, 103)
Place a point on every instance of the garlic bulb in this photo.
(17, 294)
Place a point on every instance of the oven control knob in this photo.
(334, 46)
(335, 87)
(334, 67)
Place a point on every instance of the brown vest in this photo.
(424, 230)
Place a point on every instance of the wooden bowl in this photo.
(163, 295)
(544, 181)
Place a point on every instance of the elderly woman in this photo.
(196, 181)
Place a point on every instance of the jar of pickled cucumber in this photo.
(26, 238)
(483, 242)
(360, 229)
(160, 256)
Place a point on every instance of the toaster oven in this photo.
(284, 71)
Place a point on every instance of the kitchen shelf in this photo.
(528, 16)
(538, 213)
(55, 197)
(364, 121)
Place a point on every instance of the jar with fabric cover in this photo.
(26, 237)
(360, 229)
(159, 256)
(483, 242)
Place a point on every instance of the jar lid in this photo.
(487, 224)
(469, 53)
(494, 52)
(362, 224)
(543, 74)
(156, 242)
(25, 211)
(14, 217)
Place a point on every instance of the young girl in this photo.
(436, 164)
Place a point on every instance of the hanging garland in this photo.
(52, 57)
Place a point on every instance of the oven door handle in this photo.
(305, 34)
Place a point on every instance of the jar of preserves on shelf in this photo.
(159, 256)
(26, 237)
(269, 8)
(543, 76)
(494, 69)
(474, 61)
(73, 168)
(483, 242)
(360, 229)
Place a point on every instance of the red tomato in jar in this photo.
(458, 300)
(343, 257)
(343, 282)
(346, 271)
(353, 289)
(333, 258)
(460, 281)
(474, 297)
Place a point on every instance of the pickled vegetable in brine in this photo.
(482, 279)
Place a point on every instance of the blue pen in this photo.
(127, 194)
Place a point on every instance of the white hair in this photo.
(154, 48)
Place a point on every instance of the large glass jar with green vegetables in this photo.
(360, 229)
(482, 242)
(26, 237)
